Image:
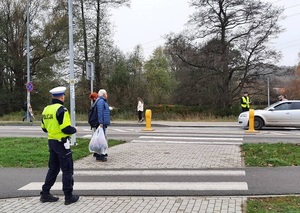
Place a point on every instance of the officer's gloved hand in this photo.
(66, 142)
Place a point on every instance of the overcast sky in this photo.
(146, 22)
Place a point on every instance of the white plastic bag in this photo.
(98, 142)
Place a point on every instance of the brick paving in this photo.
(127, 204)
(146, 156)
(166, 156)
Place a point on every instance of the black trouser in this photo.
(140, 114)
(59, 158)
(245, 109)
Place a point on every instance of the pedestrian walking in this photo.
(140, 109)
(57, 123)
(282, 98)
(28, 109)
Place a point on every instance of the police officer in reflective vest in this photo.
(57, 123)
(245, 102)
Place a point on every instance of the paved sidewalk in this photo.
(165, 156)
(127, 204)
(140, 156)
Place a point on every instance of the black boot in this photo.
(71, 200)
(101, 157)
(48, 198)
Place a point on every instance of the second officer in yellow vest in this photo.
(245, 102)
(57, 123)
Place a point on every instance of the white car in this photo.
(280, 114)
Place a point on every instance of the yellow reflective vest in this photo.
(245, 102)
(50, 122)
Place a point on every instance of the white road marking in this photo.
(32, 128)
(193, 135)
(149, 186)
(278, 133)
(188, 142)
(119, 130)
(194, 138)
(163, 173)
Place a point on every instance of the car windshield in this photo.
(279, 106)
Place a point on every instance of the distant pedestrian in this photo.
(57, 123)
(245, 102)
(28, 109)
(140, 109)
(282, 98)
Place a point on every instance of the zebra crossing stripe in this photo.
(162, 173)
(120, 130)
(149, 186)
(189, 142)
(192, 138)
(195, 135)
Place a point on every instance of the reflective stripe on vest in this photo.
(50, 122)
(246, 102)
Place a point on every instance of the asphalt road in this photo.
(259, 181)
(133, 131)
(119, 182)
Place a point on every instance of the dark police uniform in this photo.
(57, 123)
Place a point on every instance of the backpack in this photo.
(93, 115)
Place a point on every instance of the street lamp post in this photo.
(72, 79)
(28, 59)
(268, 85)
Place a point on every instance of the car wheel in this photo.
(258, 123)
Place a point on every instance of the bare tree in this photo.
(228, 42)
(47, 38)
(96, 33)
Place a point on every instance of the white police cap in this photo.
(58, 91)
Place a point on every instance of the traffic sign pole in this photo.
(28, 58)
(72, 78)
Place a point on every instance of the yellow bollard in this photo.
(148, 115)
(251, 122)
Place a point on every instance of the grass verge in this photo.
(33, 152)
(288, 204)
(272, 155)
(269, 155)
